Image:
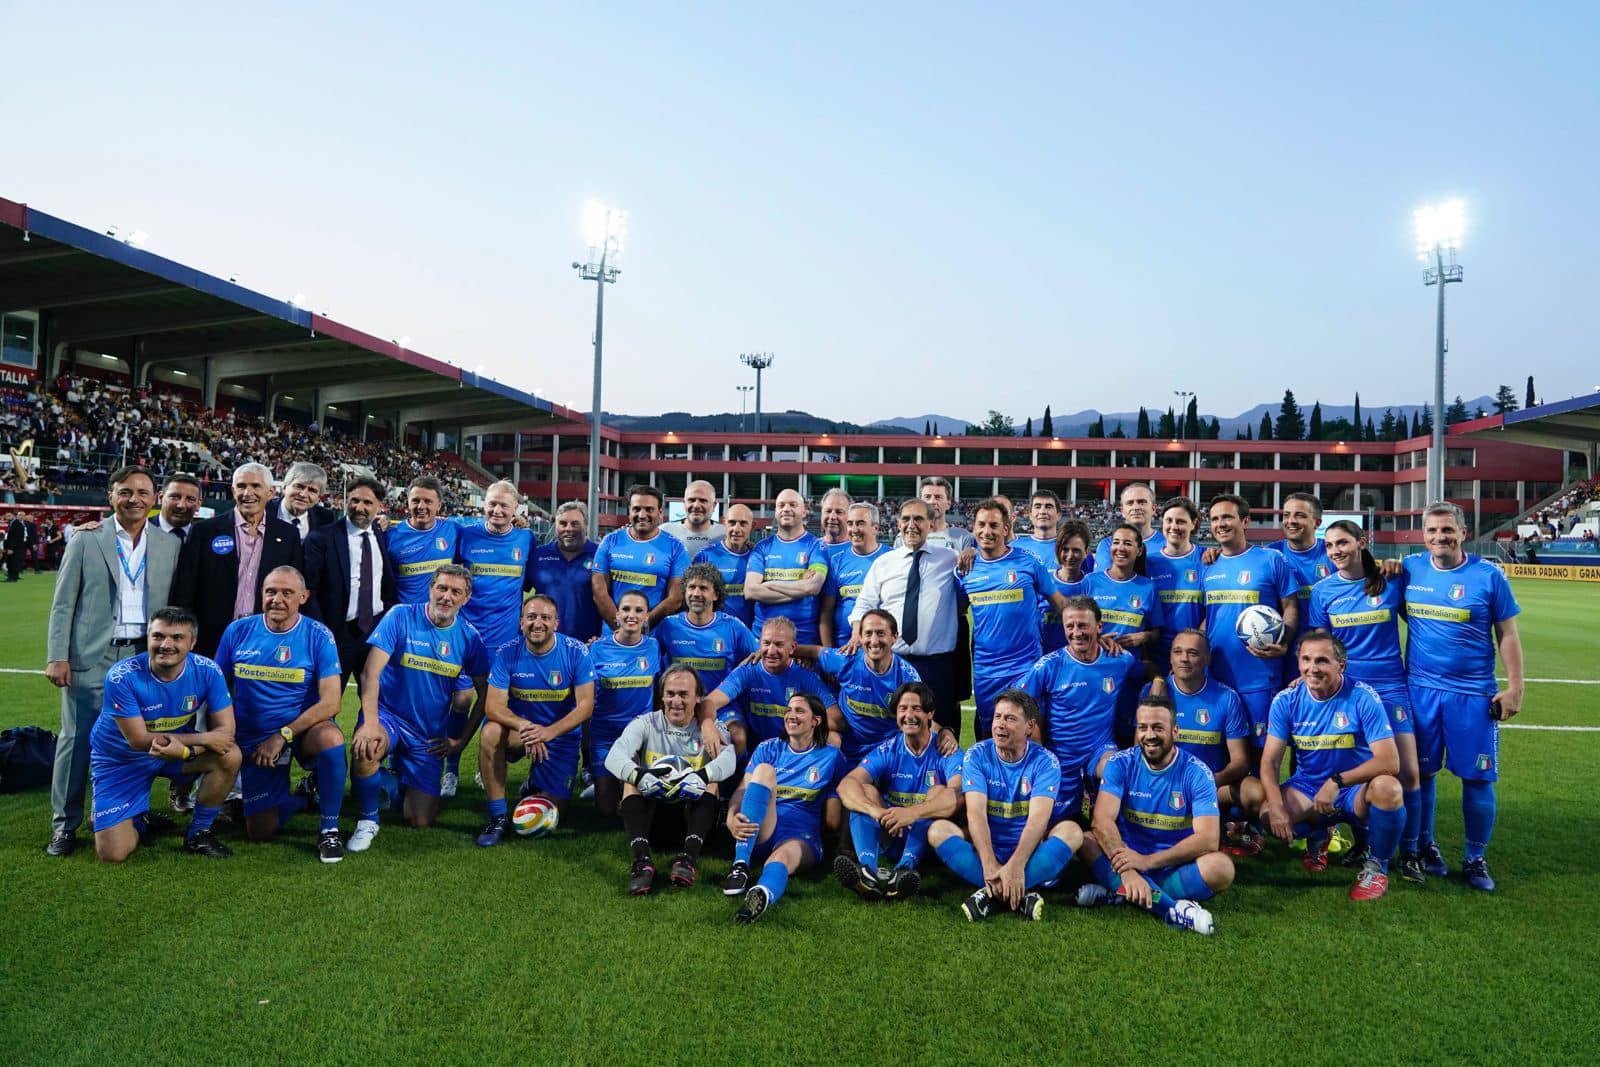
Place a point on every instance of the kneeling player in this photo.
(788, 795)
(1012, 786)
(667, 735)
(1156, 826)
(1345, 764)
(144, 732)
(897, 791)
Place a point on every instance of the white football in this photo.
(1259, 626)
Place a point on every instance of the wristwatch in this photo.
(1336, 777)
(287, 735)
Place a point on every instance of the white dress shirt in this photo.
(130, 594)
(885, 587)
(354, 533)
(303, 523)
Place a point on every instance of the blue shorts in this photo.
(789, 830)
(597, 741)
(1396, 697)
(1344, 805)
(408, 755)
(122, 786)
(1455, 732)
(265, 788)
(553, 775)
(1257, 703)
(1077, 779)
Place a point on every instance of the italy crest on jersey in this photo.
(1323, 571)
(933, 779)
(649, 558)
(1203, 717)
(1107, 685)
(801, 559)
(719, 645)
(439, 543)
(1136, 602)
(1457, 591)
(1340, 720)
(1485, 761)
(1244, 577)
(644, 664)
(1175, 798)
(516, 555)
(1011, 577)
(1191, 575)
(190, 702)
(281, 654)
(444, 648)
(1374, 601)
(1025, 787)
(813, 776)
(555, 679)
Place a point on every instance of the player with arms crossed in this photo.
(283, 669)
(144, 732)
(1157, 827)
(731, 557)
(788, 797)
(787, 572)
(640, 556)
(667, 742)
(896, 793)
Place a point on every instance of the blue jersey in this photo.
(1008, 787)
(732, 566)
(1206, 721)
(764, 697)
(712, 650)
(777, 560)
(864, 698)
(132, 692)
(1005, 594)
(1158, 807)
(1328, 736)
(1078, 701)
(1232, 583)
(1053, 636)
(416, 554)
(806, 780)
(427, 666)
(566, 581)
(1181, 590)
(274, 677)
(1043, 550)
(1308, 567)
(1450, 619)
(542, 687)
(1127, 605)
(847, 569)
(648, 566)
(624, 679)
(498, 563)
(1369, 626)
(1102, 552)
(904, 778)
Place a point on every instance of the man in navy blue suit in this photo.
(350, 577)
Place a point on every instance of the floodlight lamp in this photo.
(603, 227)
(138, 238)
(1439, 226)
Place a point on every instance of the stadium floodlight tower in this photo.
(603, 228)
(1439, 228)
(760, 361)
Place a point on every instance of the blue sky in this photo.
(916, 207)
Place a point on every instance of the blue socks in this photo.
(916, 844)
(369, 794)
(1428, 800)
(1413, 827)
(203, 818)
(864, 837)
(1186, 883)
(330, 785)
(754, 808)
(1047, 862)
(1104, 874)
(1383, 833)
(962, 859)
(497, 808)
(1477, 812)
(775, 876)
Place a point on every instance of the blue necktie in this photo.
(908, 625)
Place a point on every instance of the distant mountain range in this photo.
(1067, 424)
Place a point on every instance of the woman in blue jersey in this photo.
(1178, 575)
(625, 669)
(1072, 548)
(1130, 611)
(1362, 608)
(790, 793)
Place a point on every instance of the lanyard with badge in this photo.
(133, 576)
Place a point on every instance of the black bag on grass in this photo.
(27, 755)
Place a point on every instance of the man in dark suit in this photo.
(19, 539)
(226, 558)
(350, 575)
(299, 503)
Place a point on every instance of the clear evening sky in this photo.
(918, 207)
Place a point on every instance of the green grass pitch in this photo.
(428, 950)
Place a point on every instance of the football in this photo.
(671, 770)
(535, 816)
(1259, 626)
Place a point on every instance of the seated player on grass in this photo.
(789, 795)
(668, 735)
(895, 794)
(541, 691)
(283, 669)
(1345, 770)
(144, 732)
(1012, 843)
(1156, 831)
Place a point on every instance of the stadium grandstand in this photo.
(114, 355)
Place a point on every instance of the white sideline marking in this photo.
(1564, 729)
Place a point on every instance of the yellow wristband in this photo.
(185, 756)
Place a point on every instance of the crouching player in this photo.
(283, 669)
(667, 735)
(145, 732)
(541, 690)
(789, 794)
(1156, 827)
(1345, 764)
(897, 791)
(1012, 787)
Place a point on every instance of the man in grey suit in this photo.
(112, 580)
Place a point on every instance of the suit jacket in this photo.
(83, 613)
(328, 569)
(18, 535)
(208, 572)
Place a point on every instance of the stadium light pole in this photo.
(760, 361)
(1438, 229)
(744, 398)
(1183, 396)
(603, 228)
